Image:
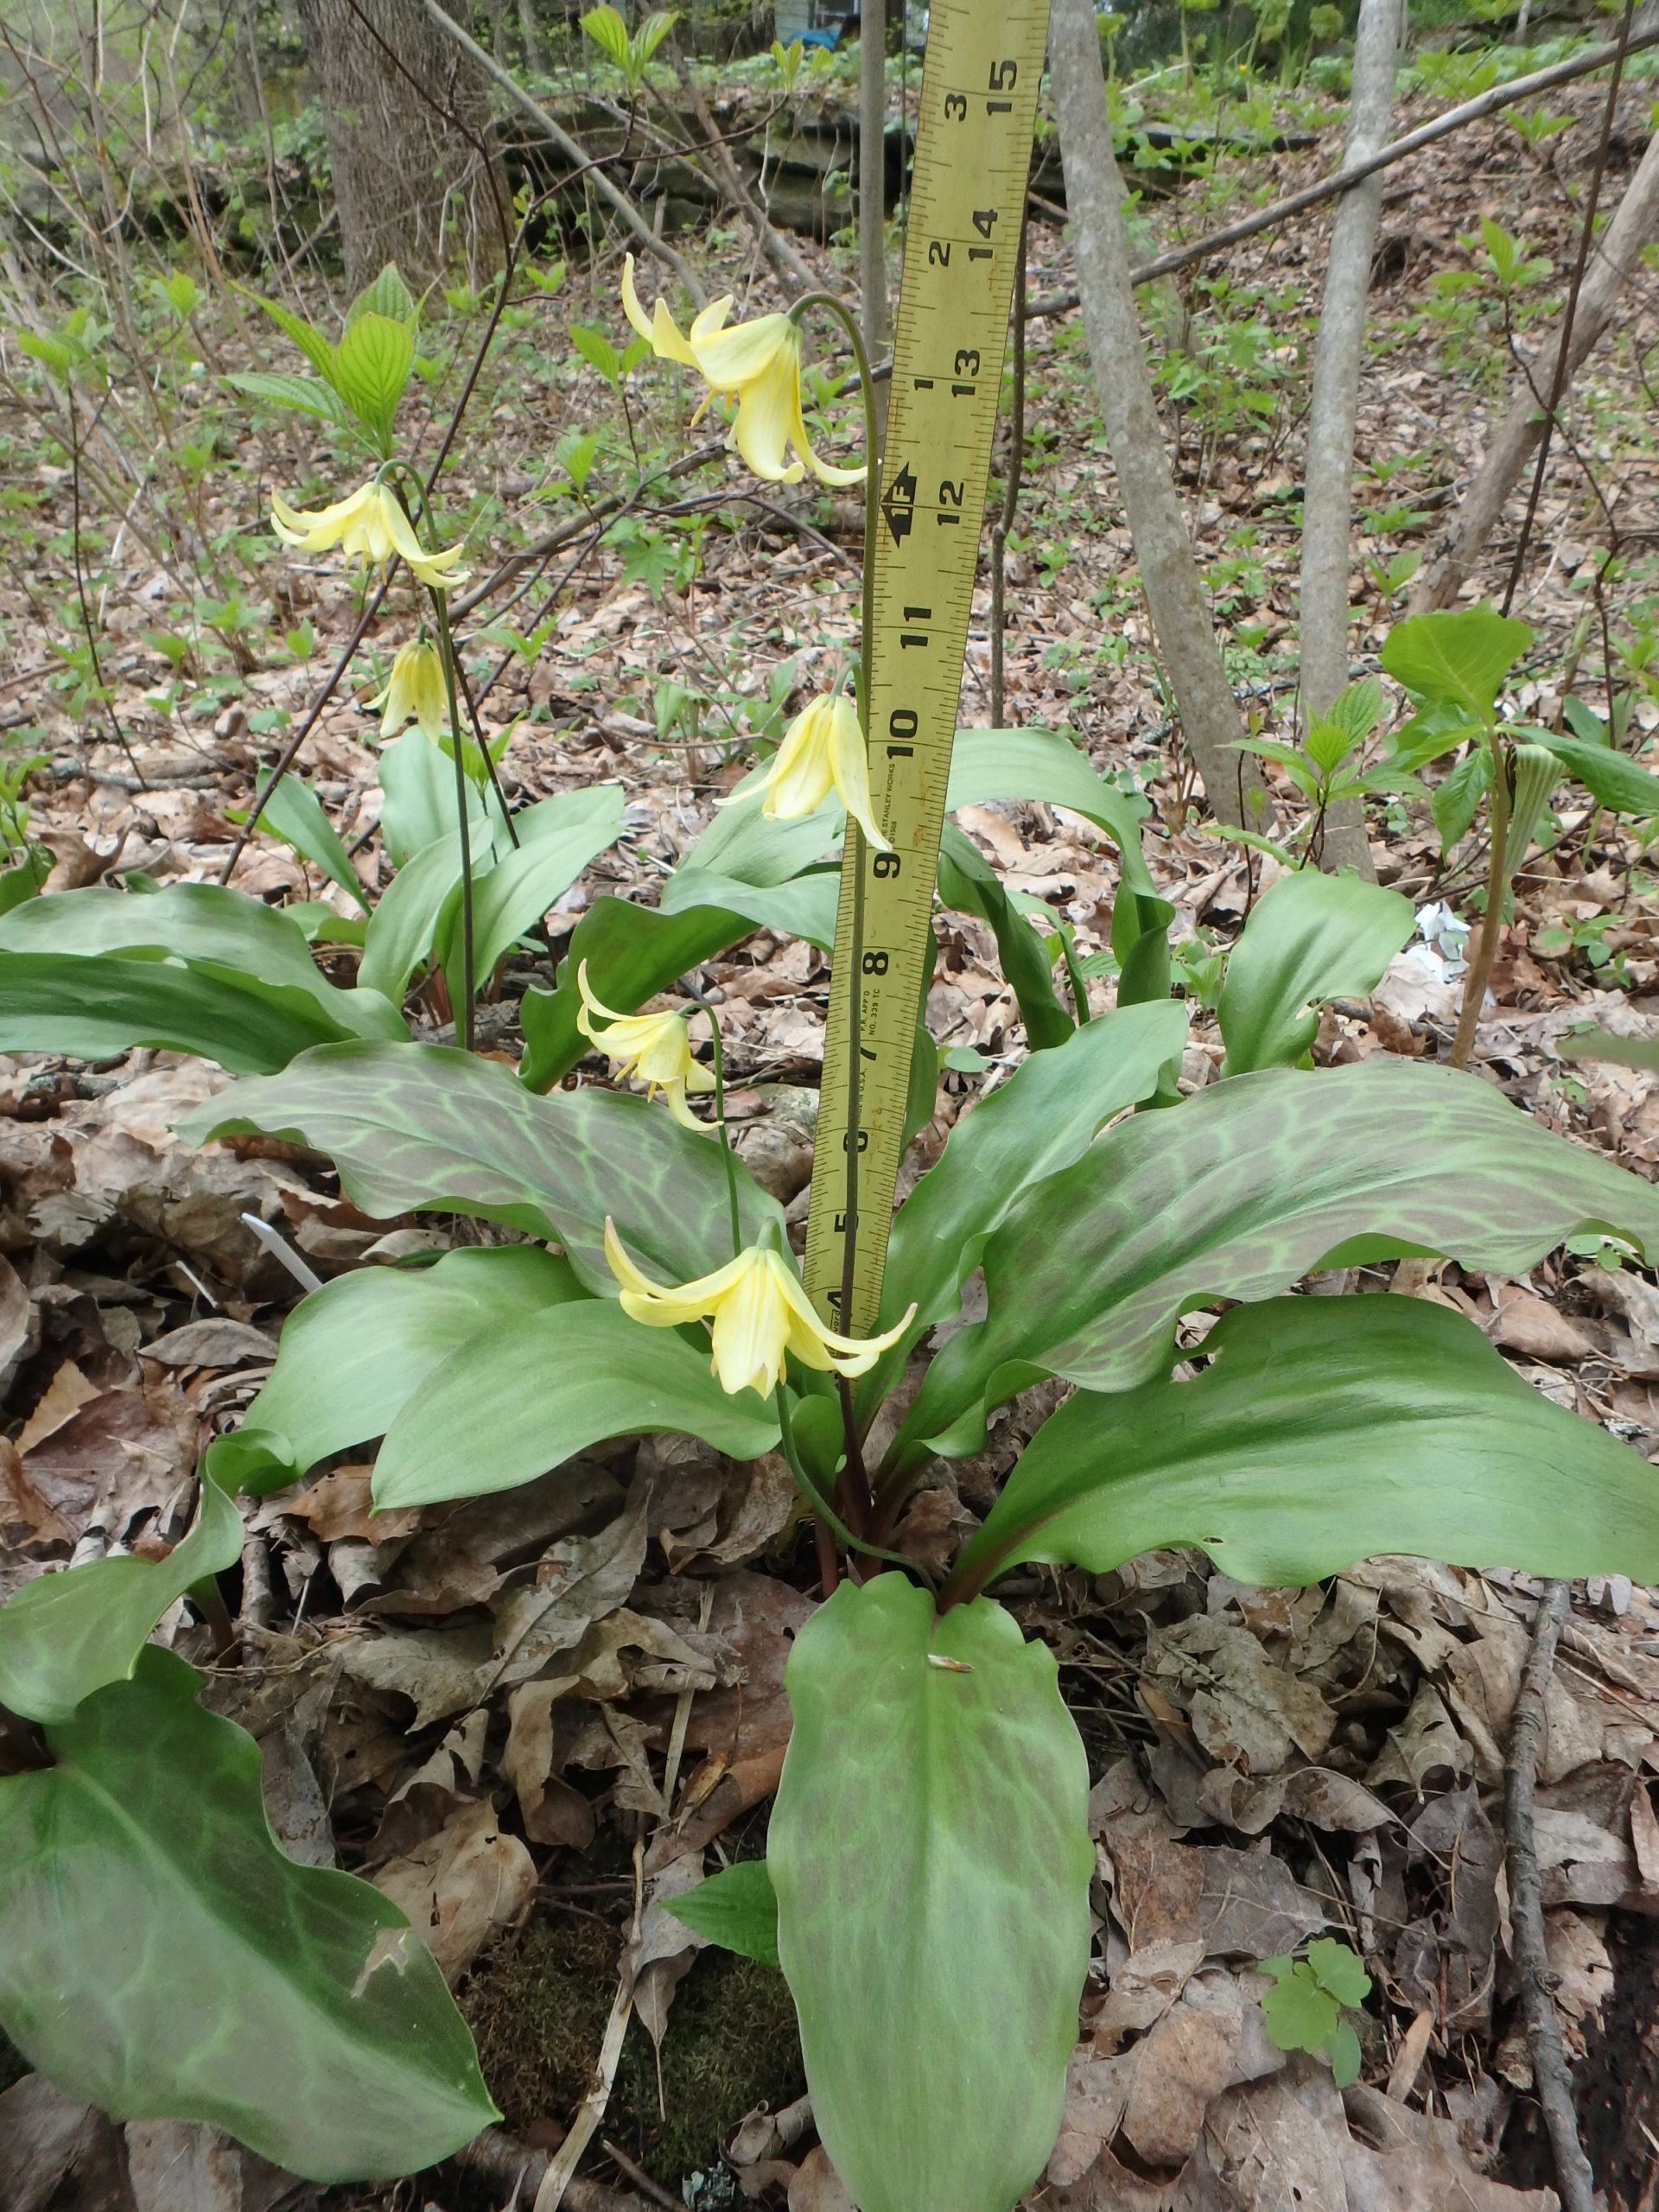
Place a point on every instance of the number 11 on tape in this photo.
(973, 152)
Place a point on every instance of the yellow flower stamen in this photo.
(654, 1048)
(369, 525)
(415, 692)
(758, 364)
(822, 750)
(759, 1311)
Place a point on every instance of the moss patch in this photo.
(539, 2007)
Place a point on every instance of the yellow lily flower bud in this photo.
(758, 365)
(824, 750)
(371, 527)
(759, 1312)
(415, 692)
(653, 1047)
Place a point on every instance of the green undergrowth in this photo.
(539, 2005)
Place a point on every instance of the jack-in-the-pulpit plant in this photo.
(925, 1883)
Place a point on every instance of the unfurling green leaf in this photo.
(930, 1852)
(371, 366)
(160, 1958)
(1311, 937)
(64, 1636)
(1325, 1431)
(387, 295)
(736, 1909)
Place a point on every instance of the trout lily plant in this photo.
(925, 1885)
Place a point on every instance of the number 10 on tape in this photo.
(973, 150)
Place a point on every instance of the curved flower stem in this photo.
(689, 991)
(463, 1012)
(867, 629)
(1491, 923)
(826, 1513)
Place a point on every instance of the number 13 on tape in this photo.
(973, 151)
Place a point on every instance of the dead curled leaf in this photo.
(461, 1885)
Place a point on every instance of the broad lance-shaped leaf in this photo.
(1047, 1113)
(517, 1399)
(201, 923)
(1238, 1193)
(421, 1126)
(559, 837)
(1310, 939)
(160, 1958)
(354, 1352)
(97, 1006)
(930, 1852)
(64, 1636)
(970, 883)
(405, 923)
(1327, 1430)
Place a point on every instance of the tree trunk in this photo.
(408, 124)
(1327, 515)
(1613, 257)
(1186, 639)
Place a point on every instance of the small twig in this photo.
(1549, 2067)
(636, 2174)
(495, 2158)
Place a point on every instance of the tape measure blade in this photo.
(978, 104)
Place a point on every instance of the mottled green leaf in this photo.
(1038, 1121)
(218, 931)
(421, 1126)
(1328, 1430)
(1596, 1043)
(1311, 937)
(1456, 659)
(1609, 776)
(102, 1006)
(736, 1909)
(517, 1399)
(64, 1636)
(1237, 1193)
(930, 1852)
(159, 1957)
(355, 1352)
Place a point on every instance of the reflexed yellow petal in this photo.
(591, 1005)
(662, 332)
(751, 353)
(849, 764)
(688, 1301)
(765, 410)
(801, 777)
(673, 1099)
(414, 691)
(712, 319)
(317, 529)
(434, 568)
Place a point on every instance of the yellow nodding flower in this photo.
(370, 525)
(758, 365)
(653, 1047)
(824, 750)
(415, 692)
(759, 1312)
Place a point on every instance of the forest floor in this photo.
(1267, 1764)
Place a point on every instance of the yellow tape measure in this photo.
(973, 150)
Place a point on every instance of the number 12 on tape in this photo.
(973, 152)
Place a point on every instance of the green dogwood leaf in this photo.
(64, 1636)
(1311, 937)
(354, 1352)
(930, 1852)
(1239, 1192)
(519, 1398)
(423, 1126)
(160, 1958)
(1328, 1430)
(1038, 1121)
(736, 1909)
